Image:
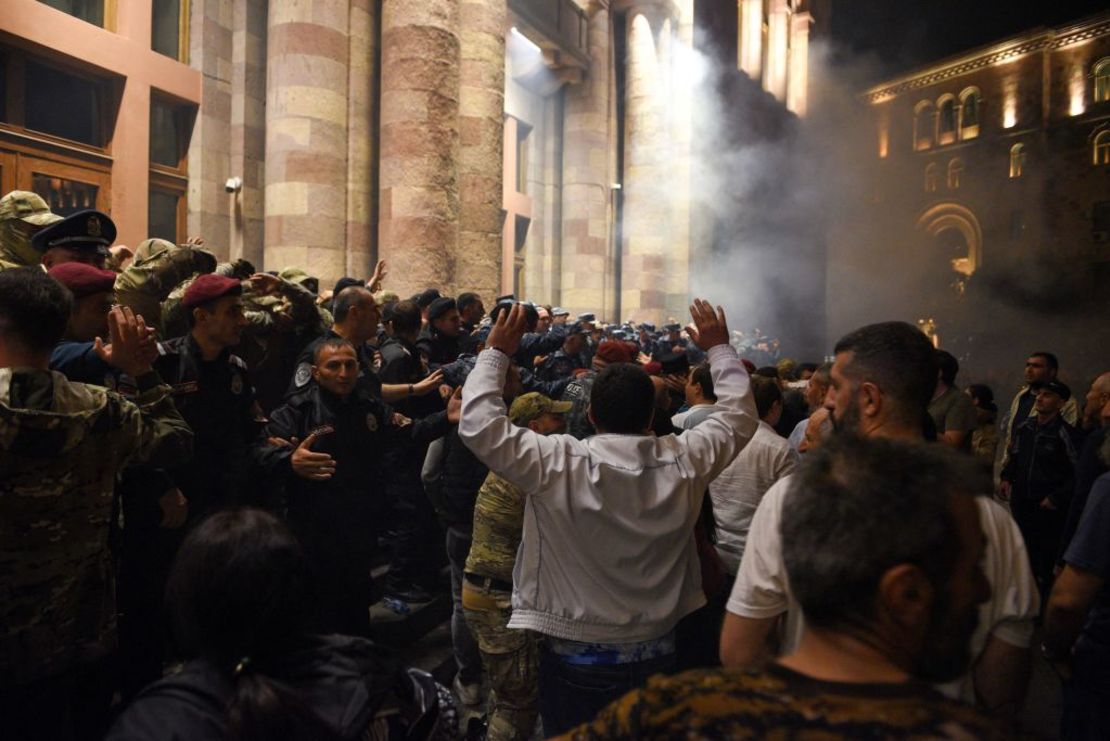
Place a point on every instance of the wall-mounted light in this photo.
(233, 185)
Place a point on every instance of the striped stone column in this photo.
(306, 136)
(481, 145)
(419, 176)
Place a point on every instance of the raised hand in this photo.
(507, 330)
(709, 327)
(264, 283)
(429, 384)
(310, 465)
(376, 279)
(129, 346)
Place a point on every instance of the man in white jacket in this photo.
(607, 564)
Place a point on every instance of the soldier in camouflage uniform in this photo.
(510, 656)
(22, 215)
(61, 445)
(157, 268)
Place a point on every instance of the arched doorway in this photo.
(958, 235)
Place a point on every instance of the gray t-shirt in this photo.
(953, 411)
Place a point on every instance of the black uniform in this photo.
(302, 377)
(439, 349)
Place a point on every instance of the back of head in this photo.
(703, 379)
(948, 366)
(622, 399)
(899, 359)
(236, 597)
(347, 299)
(858, 507)
(406, 318)
(466, 300)
(766, 392)
(34, 309)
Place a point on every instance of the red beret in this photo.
(210, 287)
(82, 279)
(613, 351)
(748, 365)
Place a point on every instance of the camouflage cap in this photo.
(528, 407)
(27, 206)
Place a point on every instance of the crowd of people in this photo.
(646, 535)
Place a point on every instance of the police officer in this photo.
(439, 340)
(61, 444)
(22, 215)
(81, 237)
(563, 362)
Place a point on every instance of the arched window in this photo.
(932, 177)
(969, 113)
(1102, 148)
(946, 120)
(1017, 160)
(1101, 73)
(923, 123)
(955, 173)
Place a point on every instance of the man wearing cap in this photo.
(214, 393)
(1039, 477)
(439, 340)
(81, 237)
(563, 362)
(559, 315)
(533, 343)
(578, 390)
(511, 657)
(671, 342)
(158, 267)
(22, 215)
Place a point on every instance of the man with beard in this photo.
(889, 587)
(880, 385)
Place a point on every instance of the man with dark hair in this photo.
(471, 311)
(533, 343)
(578, 391)
(335, 467)
(61, 446)
(1040, 367)
(881, 383)
(439, 340)
(890, 587)
(563, 362)
(951, 410)
(636, 497)
(1039, 478)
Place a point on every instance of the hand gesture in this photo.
(130, 347)
(454, 407)
(507, 330)
(375, 281)
(264, 283)
(429, 384)
(175, 509)
(309, 465)
(709, 328)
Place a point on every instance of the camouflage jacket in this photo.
(158, 268)
(578, 393)
(61, 446)
(498, 524)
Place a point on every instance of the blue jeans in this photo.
(571, 694)
(467, 655)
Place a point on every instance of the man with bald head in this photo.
(1090, 465)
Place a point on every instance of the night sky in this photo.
(902, 34)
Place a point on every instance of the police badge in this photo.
(303, 375)
(92, 227)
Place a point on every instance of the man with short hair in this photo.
(22, 215)
(818, 429)
(578, 391)
(1039, 477)
(1040, 367)
(563, 362)
(510, 657)
(880, 385)
(61, 446)
(471, 311)
(1091, 464)
(439, 340)
(889, 586)
(817, 386)
(543, 321)
(951, 410)
(623, 497)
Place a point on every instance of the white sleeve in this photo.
(761, 589)
(711, 445)
(1015, 601)
(517, 454)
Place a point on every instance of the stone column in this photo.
(647, 218)
(248, 132)
(481, 153)
(798, 82)
(681, 109)
(362, 84)
(587, 264)
(419, 191)
(306, 136)
(778, 40)
(751, 37)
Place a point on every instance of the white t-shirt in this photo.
(762, 589)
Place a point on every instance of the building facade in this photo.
(542, 147)
(986, 209)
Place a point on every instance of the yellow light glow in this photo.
(1077, 92)
(1009, 113)
(884, 134)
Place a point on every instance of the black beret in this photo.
(84, 230)
(439, 307)
(425, 298)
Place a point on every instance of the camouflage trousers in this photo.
(511, 658)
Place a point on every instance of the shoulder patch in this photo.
(303, 375)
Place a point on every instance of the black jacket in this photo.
(302, 376)
(345, 681)
(438, 349)
(402, 363)
(463, 475)
(217, 400)
(1042, 462)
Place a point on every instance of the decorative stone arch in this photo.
(946, 132)
(945, 216)
(924, 125)
(971, 100)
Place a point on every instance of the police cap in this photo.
(84, 230)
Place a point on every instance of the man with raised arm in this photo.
(607, 563)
